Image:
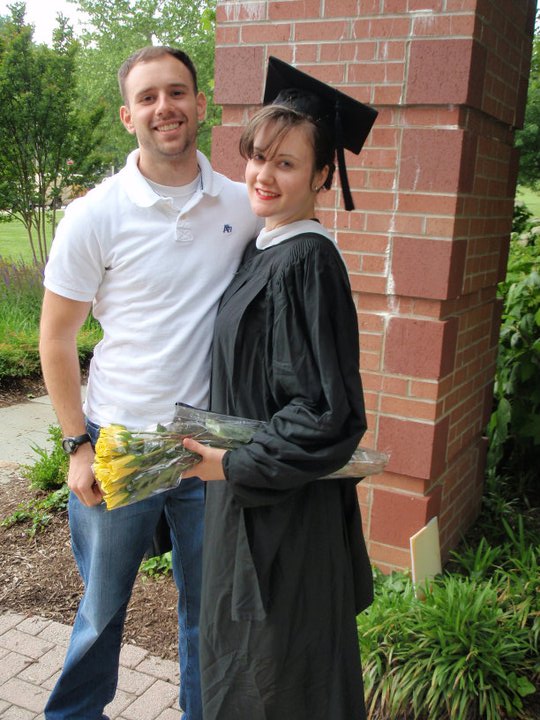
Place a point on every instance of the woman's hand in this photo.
(210, 467)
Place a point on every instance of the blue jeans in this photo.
(108, 547)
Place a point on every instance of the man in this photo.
(152, 249)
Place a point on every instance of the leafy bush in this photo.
(514, 427)
(158, 565)
(49, 471)
(21, 289)
(19, 356)
(521, 218)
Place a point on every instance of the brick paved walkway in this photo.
(32, 651)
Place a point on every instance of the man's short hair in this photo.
(152, 52)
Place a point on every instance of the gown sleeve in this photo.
(314, 376)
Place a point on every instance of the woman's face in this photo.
(280, 179)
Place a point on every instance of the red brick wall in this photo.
(434, 190)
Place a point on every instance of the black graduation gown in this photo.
(285, 567)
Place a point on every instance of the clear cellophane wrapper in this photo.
(131, 465)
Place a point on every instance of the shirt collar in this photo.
(269, 238)
(140, 192)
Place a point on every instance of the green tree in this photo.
(117, 28)
(528, 139)
(47, 140)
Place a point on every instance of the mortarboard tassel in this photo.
(340, 152)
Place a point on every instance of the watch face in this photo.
(69, 445)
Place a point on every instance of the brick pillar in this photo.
(434, 189)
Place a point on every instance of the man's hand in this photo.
(81, 479)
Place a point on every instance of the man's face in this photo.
(162, 110)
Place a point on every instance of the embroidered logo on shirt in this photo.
(227, 228)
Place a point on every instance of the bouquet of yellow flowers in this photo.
(132, 465)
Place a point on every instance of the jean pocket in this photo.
(93, 430)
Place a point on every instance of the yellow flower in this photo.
(108, 473)
(113, 440)
(116, 499)
(127, 464)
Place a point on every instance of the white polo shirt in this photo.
(155, 276)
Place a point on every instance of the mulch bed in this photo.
(38, 576)
(20, 389)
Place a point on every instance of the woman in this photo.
(285, 567)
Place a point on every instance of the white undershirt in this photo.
(178, 194)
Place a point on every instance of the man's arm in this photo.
(61, 320)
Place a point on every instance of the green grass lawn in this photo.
(14, 242)
(530, 198)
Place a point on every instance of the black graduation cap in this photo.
(348, 120)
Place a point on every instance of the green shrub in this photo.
(519, 593)
(89, 336)
(21, 289)
(38, 511)
(459, 654)
(381, 635)
(19, 355)
(479, 561)
(505, 528)
(158, 565)
(21, 295)
(512, 565)
(514, 427)
(49, 471)
(521, 218)
(499, 503)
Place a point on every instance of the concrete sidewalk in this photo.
(22, 426)
(32, 649)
